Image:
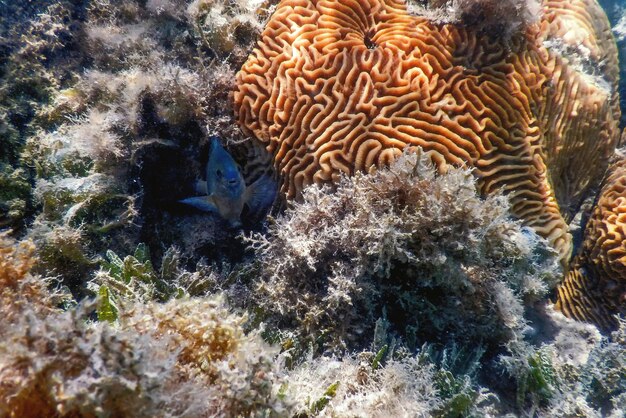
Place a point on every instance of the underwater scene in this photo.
(312, 208)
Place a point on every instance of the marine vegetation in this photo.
(184, 358)
(422, 250)
(427, 170)
(37, 61)
(112, 150)
(338, 87)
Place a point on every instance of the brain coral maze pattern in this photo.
(340, 86)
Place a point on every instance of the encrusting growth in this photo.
(341, 86)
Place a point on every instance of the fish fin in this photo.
(234, 223)
(260, 195)
(201, 187)
(204, 203)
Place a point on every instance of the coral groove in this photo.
(342, 86)
(595, 289)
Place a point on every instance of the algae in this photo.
(117, 301)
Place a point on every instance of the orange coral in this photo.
(595, 289)
(340, 86)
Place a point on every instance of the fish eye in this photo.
(218, 172)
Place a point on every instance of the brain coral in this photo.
(341, 86)
(595, 289)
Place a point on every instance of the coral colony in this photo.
(303, 208)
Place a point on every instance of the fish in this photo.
(225, 192)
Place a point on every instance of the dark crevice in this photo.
(369, 42)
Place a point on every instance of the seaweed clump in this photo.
(37, 59)
(19, 290)
(577, 373)
(164, 353)
(185, 358)
(113, 148)
(421, 249)
(574, 372)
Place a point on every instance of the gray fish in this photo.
(225, 192)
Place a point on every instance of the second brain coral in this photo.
(340, 86)
(595, 288)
